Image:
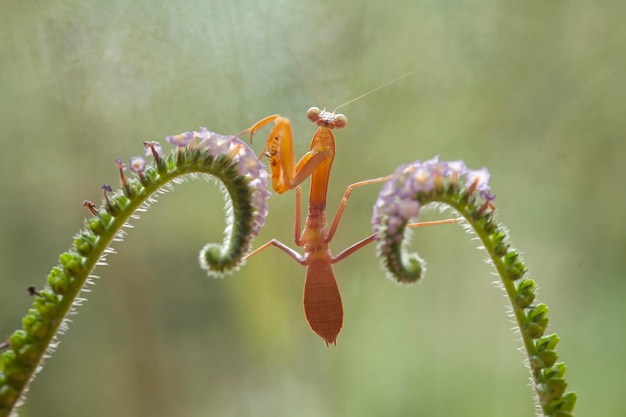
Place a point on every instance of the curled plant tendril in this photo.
(243, 181)
(415, 185)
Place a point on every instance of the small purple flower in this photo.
(487, 195)
(402, 169)
(441, 169)
(181, 140)
(137, 164)
(408, 209)
(204, 135)
(248, 163)
(385, 199)
(106, 188)
(393, 225)
(488, 204)
(431, 162)
(235, 151)
(120, 165)
(457, 167)
(218, 144)
(423, 179)
(478, 179)
(258, 181)
(152, 148)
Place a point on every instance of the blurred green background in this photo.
(534, 90)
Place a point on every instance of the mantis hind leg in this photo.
(364, 242)
(280, 245)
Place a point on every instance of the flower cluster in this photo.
(248, 166)
(243, 179)
(229, 146)
(245, 217)
(410, 187)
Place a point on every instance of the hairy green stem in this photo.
(242, 179)
(421, 183)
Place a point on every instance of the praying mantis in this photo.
(323, 306)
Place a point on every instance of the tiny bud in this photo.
(106, 188)
(91, 207)
(32, 291)
(121, 167)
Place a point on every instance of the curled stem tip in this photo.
(415, 185)
(242, 179)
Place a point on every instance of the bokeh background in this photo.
(534, 90)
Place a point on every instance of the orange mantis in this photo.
(323, 307)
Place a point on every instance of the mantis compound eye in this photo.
(340, 121)
(313, 114)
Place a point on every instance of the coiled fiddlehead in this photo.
(415, 185)
(243, 180)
